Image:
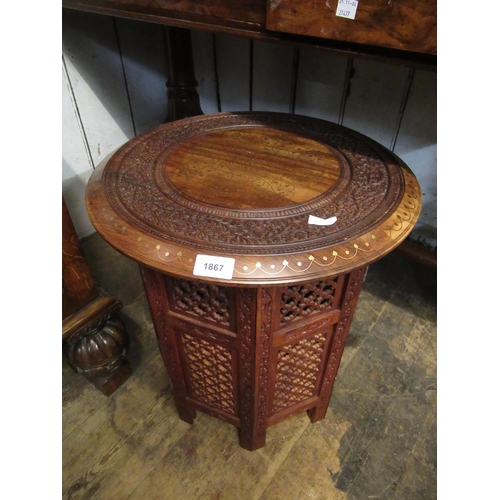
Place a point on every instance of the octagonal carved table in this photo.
(251, 297)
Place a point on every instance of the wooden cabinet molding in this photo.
(94, 337)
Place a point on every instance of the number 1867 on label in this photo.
(213, 266)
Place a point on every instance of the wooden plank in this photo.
(94, 67)
(249, 11)
(113, 421)
(273, 65)
(118, 471)
(320, 83)
(145, 65)
(417, 146)
(208, 462)
(76, 161)
(203, 60)
(80, 399)
(233, 63)
(374, 96)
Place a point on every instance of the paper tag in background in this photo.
(347, 8)
(212, 266)
(318, 221)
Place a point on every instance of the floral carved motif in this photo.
(360, 200)
(246, 357)
(265, 347)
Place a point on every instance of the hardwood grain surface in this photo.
(79, 288)
(402, 24)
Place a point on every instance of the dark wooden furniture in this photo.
(408, 25)
(94, 338)
(402, 32)
(265, 342)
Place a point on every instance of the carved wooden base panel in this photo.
(252, 356)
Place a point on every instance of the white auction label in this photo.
(347, 8)
(214, 267)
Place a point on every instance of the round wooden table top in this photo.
(242, 186)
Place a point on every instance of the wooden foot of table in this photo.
(96, 344)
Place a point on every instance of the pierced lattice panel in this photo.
(206, 301)
(300, 301)
(297, 371)
(210, 372)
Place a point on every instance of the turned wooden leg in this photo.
(97, 351)
(183, 99)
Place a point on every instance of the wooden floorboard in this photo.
(378, 439)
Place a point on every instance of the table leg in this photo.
(254, 308)
(155, 286)
(350, 299)
(183, 99)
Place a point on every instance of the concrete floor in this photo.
(378, 440)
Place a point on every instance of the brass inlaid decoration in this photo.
(374, 196)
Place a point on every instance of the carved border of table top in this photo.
(293, 263)
(131, 186)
